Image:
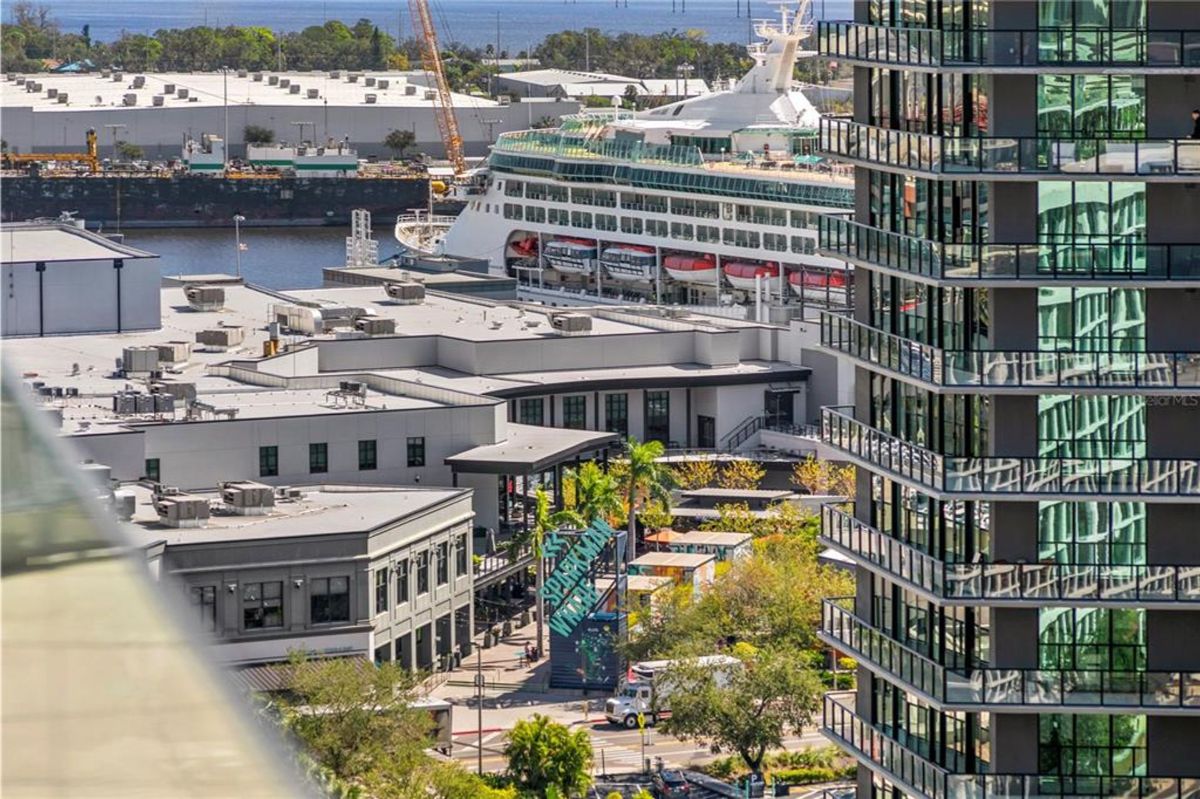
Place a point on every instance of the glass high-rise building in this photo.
(1026, 333)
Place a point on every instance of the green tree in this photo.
(741, 474)
(257, 134)
(399, 140)
(545, 522)
(129, 151)
(746, 711)
(544, 756)
(645, 479)
(596, 493)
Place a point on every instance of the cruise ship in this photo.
(710, 201)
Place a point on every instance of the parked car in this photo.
(671, 785)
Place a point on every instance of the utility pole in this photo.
(238, 219)
(225, 96)
(479, 705)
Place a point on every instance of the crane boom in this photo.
(431, 60)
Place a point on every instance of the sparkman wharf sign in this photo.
(570, 591)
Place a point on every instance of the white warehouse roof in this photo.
(33, 243)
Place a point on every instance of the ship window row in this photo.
(709, 234)
(695, 182)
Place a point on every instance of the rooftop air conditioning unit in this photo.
(352, 77)
(138, 360)
(182, 94)
(157, 100)
(376, 325)
(382, 84)
(173, 352)
(294, 88)
(246, 498)
(430, 95)
(335, 74)
(370, 99)
(368, 81)
(407, 293)
(130, 98)
(139, 81)
(285, 82)
(118, 77)
(193, 99)
(51, 93)
(571, 324)
(180, 391)
(242, 73)
(410, 90)
(182, 510)
(257, 77)
(168, 88)
(221, 338)
(104, 73)
(125, 504)
(205, 298)
(272, 80)
(63, 98)
(313, 94)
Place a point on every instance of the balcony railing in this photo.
(877, 750)
(1009, 369)
(1078, 48)
(1175, 691)
(1013, 584)
(1152, 478)
(1001, 155)
(1040, 262)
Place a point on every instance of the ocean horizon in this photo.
(522, 23)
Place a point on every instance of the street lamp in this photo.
(225, 102)
(238, 219)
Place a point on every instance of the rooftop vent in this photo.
(157, 100)
(571, 324)
(246, 498)
(168, 88)
(174, 352)
(130, 98)
(242, 73)
(406, 293)
(220, 338)
(353, 77)
(182, 94)
(63, 98)
(409, 89)
(272, 80)
(139, 81)
(285, 82)
(376, 325)
(118, 77)
(312, 94)
(382, 84)
(51, 93)
(368, 81)
(335, 74)
(294, 88)
(370, 99)
(139, 360)
(181, 510)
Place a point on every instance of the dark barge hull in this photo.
(111, 201)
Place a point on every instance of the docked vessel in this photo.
(710, 201)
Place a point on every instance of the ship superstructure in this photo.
(708, 201)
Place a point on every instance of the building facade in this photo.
(1027, 392)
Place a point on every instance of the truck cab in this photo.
(631, 699)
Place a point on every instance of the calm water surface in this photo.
(522, 22)
(274, 257)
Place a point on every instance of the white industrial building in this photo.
(51, 112)
(408, 387)
(578, 85)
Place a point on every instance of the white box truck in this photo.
(648, 692)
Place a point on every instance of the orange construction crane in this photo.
(91, 157)
(431, 60)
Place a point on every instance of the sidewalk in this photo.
(513, 689)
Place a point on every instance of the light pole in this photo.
(225, 103)
(112, 129)
(238, 219)
(479, 705)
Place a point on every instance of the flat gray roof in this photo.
(705, 537)
(682, 560)
(33, 242)
(322, 510)
(529, 448)
(736, 493)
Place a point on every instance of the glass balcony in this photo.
(1161, 479)
(998, 370)
(1159, 691)
(874, 748)
(1024, 157)
(980, 263)
(1008, 584)
(1022, 50)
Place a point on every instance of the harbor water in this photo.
(278, 258)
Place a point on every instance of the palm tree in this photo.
(597, 493)
(647, 479)
(546, 522)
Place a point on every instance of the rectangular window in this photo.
(658, 416)
(616, 414)
(423, 573)
(329, 600)
(204, 601)
(416, 452)
(153, 472)
(262, 605)
(402, 581)
(460, 555)
(443, 563)
(366, 456)
(575, 412)
(268, 461)
(318, 458)
(531, 411)
(381, 589)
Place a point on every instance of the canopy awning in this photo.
(529, 449)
